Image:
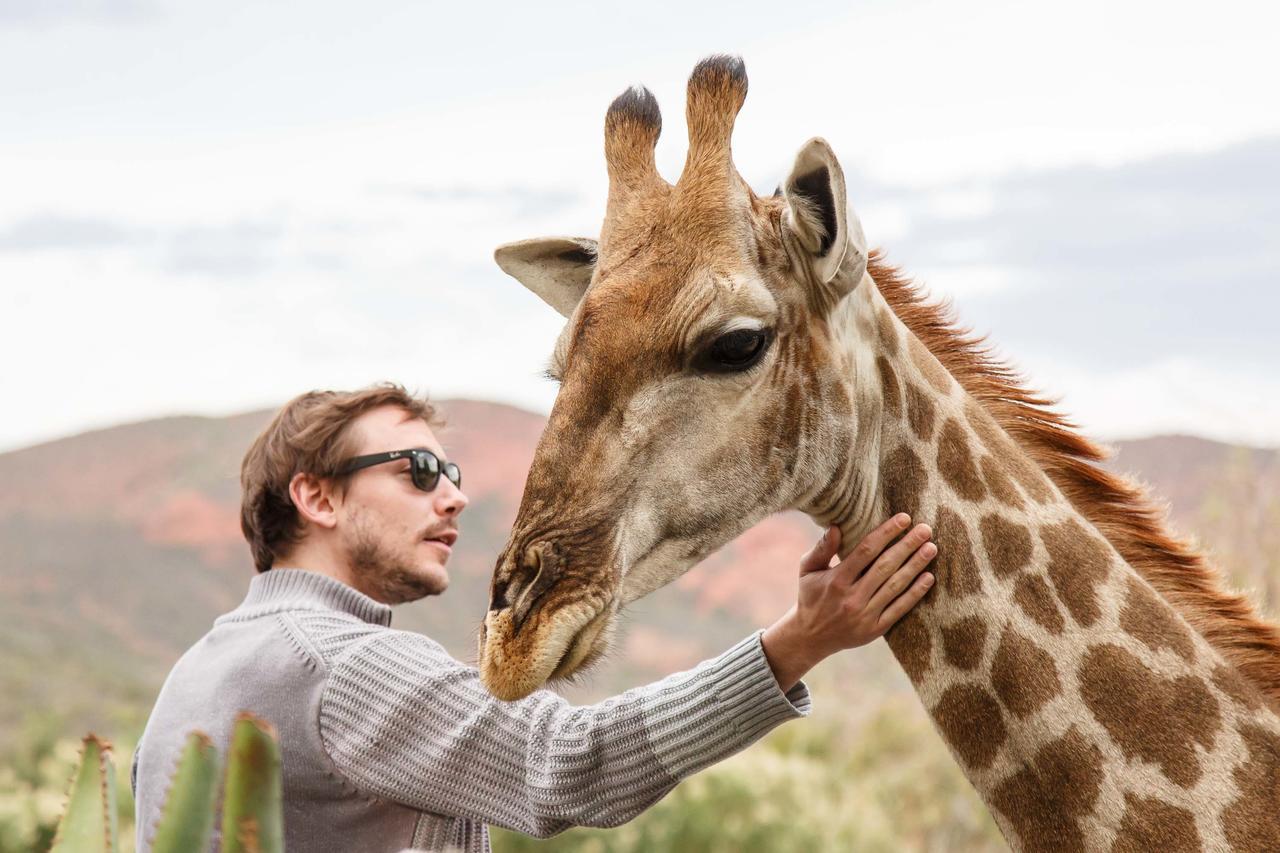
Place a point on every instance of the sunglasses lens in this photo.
(454, 473)
(426, 471)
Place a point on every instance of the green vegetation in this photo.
(96, 820)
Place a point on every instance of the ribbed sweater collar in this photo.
(299, 589)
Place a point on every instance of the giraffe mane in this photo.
(1120, 509)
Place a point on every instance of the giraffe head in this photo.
(704, 382)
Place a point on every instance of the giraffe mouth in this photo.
(582, 650)
(513, 663)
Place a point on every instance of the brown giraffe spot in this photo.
(930, 368)
(1031, 478)
(1008, 544)
(919, 411)
(963, 641)
(1150, 717)
(955, 565)
(1078, 562)
(1149, 824)
(955, 462)
(1033, 595)
(1002, 488)
(1236, 687)
(1150, 620)
(1250, 823)
(888, 334)
(1045, 799)
(1023, 674)
(889, 386)
(1008, 456)
(970, 721)
(904, 480)
(909, 641)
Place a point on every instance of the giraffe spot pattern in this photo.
(1008, 544)
(1079, 561)
(1153, 622)
(955, 566)
(971, 723)
(1023, 674)
(1032, 594)
(909, 641)
(889, 387)
(1236, 687)
(905, 481)
(955, 462)
(930, 368)
(1009, 456)
(1150, 824)
(1250, 822)
(888, 334)
(998, 482)
(1044, 800)
(920, 411)
(1033, 481)
(963, 642)
(1149, 717)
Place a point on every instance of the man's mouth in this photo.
(446, 538)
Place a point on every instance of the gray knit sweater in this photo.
(388, 742)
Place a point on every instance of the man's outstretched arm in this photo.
(403, 720)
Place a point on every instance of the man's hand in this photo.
(853, 602)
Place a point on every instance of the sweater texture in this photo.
(388, 742)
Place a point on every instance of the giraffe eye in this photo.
(736, 351)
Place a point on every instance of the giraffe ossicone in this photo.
(727, 356)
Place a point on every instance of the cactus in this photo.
(251, 816)
(187, 819)
(251, 813)
(90, 820)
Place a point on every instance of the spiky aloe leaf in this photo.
(186, 821)
(89, 823)
(251, 817)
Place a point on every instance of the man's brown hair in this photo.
(310, 434)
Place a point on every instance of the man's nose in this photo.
(450, 500)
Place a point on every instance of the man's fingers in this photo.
(902, 578)
(871, 546)
(890, 560)
(900, 605)
(819, 556)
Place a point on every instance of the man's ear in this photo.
(557, 269)
(313, 498)
(826, 235)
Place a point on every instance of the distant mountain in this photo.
(119, 547)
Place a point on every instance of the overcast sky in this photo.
(210, 207)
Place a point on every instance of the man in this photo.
(350, 506)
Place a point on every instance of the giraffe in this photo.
(727, 356)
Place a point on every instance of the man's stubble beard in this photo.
(383, 574)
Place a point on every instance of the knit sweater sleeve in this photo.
(403, 720)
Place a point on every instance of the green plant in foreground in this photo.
(251, 809)
(90, 820)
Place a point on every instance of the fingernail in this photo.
(902, 519)
(928, 580)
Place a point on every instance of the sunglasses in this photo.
(425, 467)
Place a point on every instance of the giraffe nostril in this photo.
(498, 598)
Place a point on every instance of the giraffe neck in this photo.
(1079, 704)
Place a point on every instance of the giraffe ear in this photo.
(557, 269)
(826, 234)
